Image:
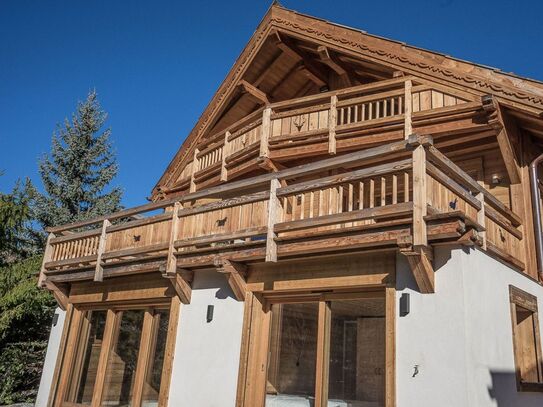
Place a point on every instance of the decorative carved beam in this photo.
(419, 259)
(256, 93)
(506, 134)
(235, 274)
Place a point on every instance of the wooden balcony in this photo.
(339, 121)
(404, 196)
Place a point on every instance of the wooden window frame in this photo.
(520, 298)
(71, 338)
(255, 349)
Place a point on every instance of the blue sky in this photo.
(156, 64)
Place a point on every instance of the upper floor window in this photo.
(526, 340)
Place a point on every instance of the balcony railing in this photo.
(330, 122)
(399, 195)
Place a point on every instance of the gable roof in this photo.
(513, 91)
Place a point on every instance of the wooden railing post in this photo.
(420, 237)
(47, 257)
(273, 214)
(99, 270)
(265, 134)
(225, 153)
(408, 109)
(332, 121)
(171, 262)
(481, 218)
(194, 169)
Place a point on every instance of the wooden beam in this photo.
(253, 91)
(182, 284)
(506, 133)
(271, 66)
(61, 292)
(236, 276)
(335, 65)
(323, 354)
(309, 69)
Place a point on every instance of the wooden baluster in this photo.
(372, 193)
(302, 206)
(350, 200)
(99, 270)
(370, 111)
(408, 123)
(361, 195)
(355, 118)
(394, 189)
(383, 191)
(311, 204)
(349, 115)
(265, 133)
(225, 153)
(340, 199)
(406, 187)
(195, 168)
(274, 208)
(47, 257)
(332, 121)
(377, 110)
(481, 218)
(321, 203)
(400, 105)
(363, 113)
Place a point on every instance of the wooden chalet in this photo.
(351, 222)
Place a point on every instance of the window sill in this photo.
(531, 387)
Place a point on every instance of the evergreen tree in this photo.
(78, 170)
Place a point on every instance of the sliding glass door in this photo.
(327, 351)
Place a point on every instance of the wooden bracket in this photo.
(507, 134)
(256, 93)
(414, 140)
(235, 274)
(61, 292)
(419, 259)
(334, 65)
(181, 281)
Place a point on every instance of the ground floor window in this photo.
(115, 356)
(328, 350)
(526, 340)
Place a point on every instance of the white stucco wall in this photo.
(460, 337)
(206, 357)
(50, 360)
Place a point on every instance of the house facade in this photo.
(352, 222)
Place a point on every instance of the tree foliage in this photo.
(78, 170)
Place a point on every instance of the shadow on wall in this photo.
(503, 391)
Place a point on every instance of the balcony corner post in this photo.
(420, 237)
(99, 270)
(195, 168)
(273, 215)
(47, 257)
(266, 130)
(225, 153)
(171, 262)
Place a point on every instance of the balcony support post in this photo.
(265, 134)
(99, 270)
(332, 121)
(408, 109)
(47, 257)
(274, 207)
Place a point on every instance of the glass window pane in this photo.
(86, 357)
(151, 386)
(357, 353)
(123, 358)
(293, 350)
